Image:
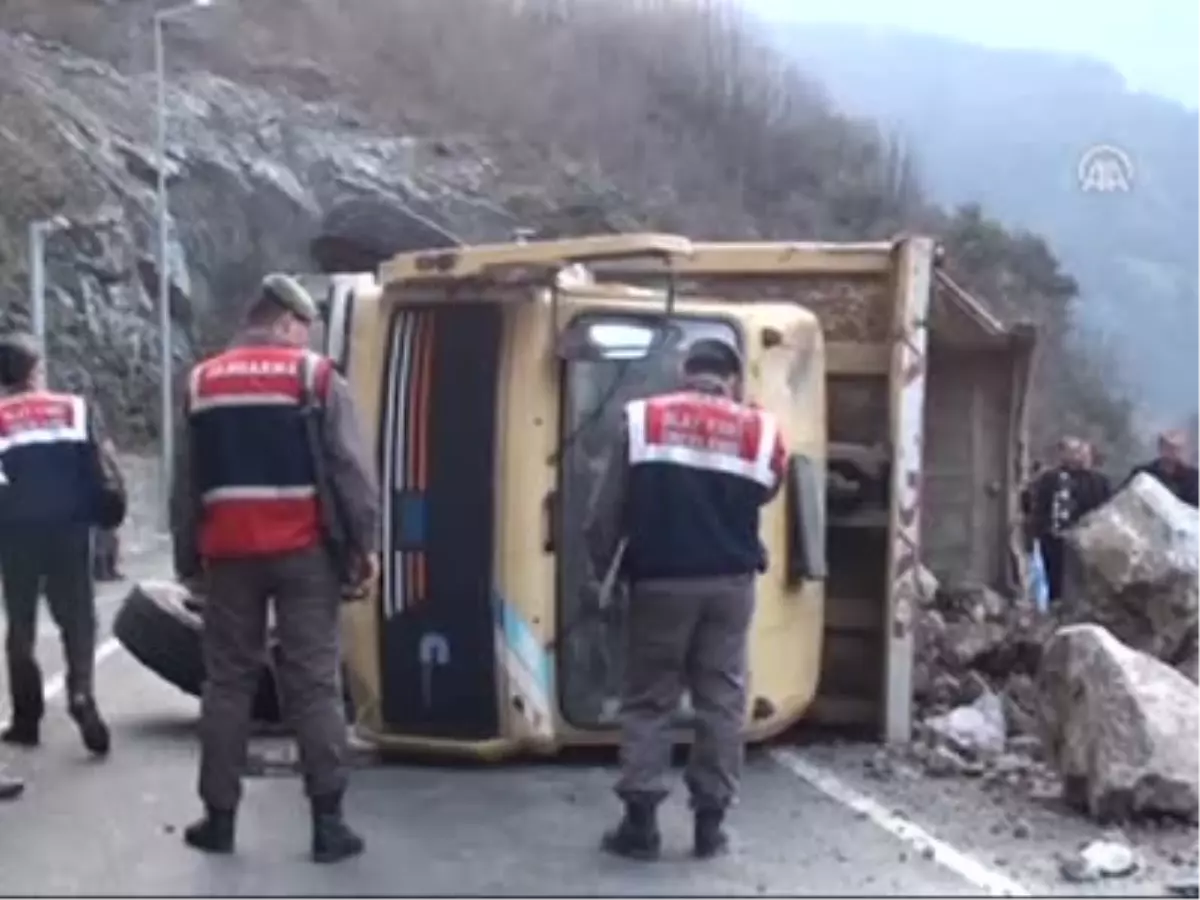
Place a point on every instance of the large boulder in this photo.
(1133, 569)
(1119, 725)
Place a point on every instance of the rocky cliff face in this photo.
(250, 174)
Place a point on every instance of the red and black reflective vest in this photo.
(252, 466)
(49, 465)
(701, 467)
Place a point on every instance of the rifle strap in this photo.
(310, 411)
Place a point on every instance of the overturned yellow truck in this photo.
(495, 376)
(492, 379)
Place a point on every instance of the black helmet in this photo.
(19, 355)
(712, 356)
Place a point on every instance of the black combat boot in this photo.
(637, 835)
(22, 732)
(10, 788)
(332, 840)
(91, 726)
(709, 838)
(28, 705)
(214, 833)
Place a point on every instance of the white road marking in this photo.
(976, 873)
(57, 683)
(966, 867)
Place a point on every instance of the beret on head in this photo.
(291, 295)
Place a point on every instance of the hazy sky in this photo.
(1152, 42)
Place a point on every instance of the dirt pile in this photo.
(976, 660)
(1086, 704)
(972, 642)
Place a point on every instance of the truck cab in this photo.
(492, 379)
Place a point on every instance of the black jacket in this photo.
(1181, 480)
(1088, 490)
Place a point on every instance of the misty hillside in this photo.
(1007, 129)
(479, 116)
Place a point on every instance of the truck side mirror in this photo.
(805, 486)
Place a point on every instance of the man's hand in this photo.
(370, 571)
(365, 572)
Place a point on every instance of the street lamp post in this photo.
(38, 232)
(167, 424)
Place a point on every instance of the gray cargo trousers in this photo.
(686, 633)
(305, 594)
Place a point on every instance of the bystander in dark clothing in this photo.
(1059, 498)
(1025, 501)
(1170, 468)
(106, 542)
(1179, 478)
(107, 552)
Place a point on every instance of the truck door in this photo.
(589, 640)
(436, 636)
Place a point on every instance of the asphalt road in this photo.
(807, 824)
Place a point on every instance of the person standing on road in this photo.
(247, 522)
(55, 485)
(681, 495)
(1059, 498)
(106, 546)
(1171, 469)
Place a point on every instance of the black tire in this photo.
(358, 234)
(157, 627)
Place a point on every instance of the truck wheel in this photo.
(162, 632)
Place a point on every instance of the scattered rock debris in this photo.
(1100, 859)
(1112, 731)
(977, 656)
(1006, 695)
(977, 729)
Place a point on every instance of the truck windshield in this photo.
(590, 649)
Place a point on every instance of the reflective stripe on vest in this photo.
(696, 431)
(264, 518)
(40, 419)
(252, 376)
